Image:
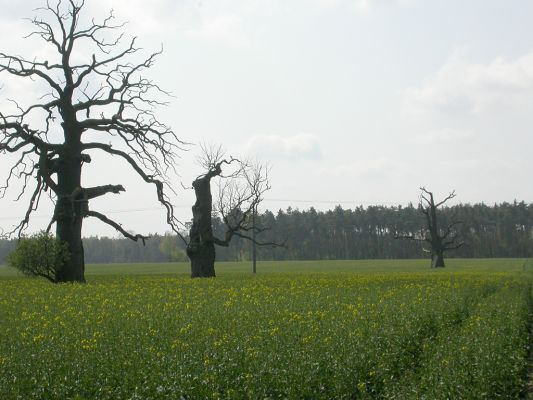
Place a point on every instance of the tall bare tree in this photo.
(439, 239)
(240, 190)
(101, 104)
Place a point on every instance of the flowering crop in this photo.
(434, 334)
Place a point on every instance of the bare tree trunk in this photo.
(68, 229)
(254, 244)
(202, 260)
(201, 248)
(69, 214)
(437, 259)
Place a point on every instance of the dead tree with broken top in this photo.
(241, 185)
(101, 104)
(438, 239)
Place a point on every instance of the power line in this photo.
(334, 201)
(130, 210)
(107, 212)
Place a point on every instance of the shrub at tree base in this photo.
(39, 255)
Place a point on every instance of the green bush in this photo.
(40, 254)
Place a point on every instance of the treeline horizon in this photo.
(500, 230)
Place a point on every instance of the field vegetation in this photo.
(316, 330)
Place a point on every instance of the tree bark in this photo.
(70, 210)
(201, 247)
(202, 260)
(68, 229)
(437, 259)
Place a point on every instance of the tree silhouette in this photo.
(101, 104)
(439, 239)
(240, 191)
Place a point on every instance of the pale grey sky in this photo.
(351, 101)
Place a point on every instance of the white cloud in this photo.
(373, 169)
(193, 19)
(17, 9)
(327, 3)
(362, 6)
(226, 29)
(156, 17)
(444, 135)
(298, 147)
(461, 86)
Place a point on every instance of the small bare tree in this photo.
(241, 185)
(84, 107)
(439, 239)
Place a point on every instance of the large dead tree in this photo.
(101, 104)
(241, 185)
(438, 239)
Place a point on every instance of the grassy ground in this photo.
(321, 266)
(380, 329)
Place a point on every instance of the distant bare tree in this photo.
(106, 96)
(240, 191)
(439, 239)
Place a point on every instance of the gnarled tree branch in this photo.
(117, 226)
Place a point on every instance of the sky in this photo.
(351, 102)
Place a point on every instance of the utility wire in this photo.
(129, 210)
(333, 201)
(106, 212)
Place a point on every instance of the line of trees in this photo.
(501, 230)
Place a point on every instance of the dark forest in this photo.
(500, 230)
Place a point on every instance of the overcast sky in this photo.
(351, 101)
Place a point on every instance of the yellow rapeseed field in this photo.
(389, 335)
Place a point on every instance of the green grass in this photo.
(328, 266)
(382, 329)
